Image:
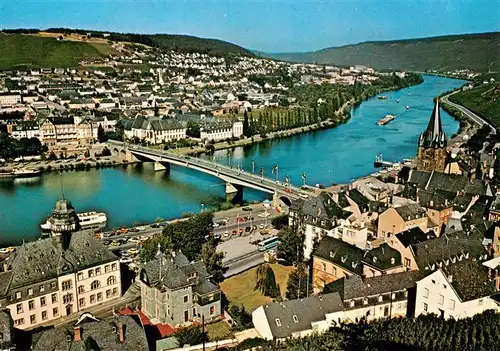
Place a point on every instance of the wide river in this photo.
(135, 194)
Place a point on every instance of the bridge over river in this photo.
(235, 179)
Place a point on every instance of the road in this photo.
(471, 115)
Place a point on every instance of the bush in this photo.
(280, 221)
(190, 336)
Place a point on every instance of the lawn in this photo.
(218, 331)
(239, 289)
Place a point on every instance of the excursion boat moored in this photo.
(26, 173)
(386, 120)
(88, 220)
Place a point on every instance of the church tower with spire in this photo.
(431, 155)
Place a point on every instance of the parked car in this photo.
(226, 233)
(240, 231)
(247, 229)
(234, 232)
(246, 208)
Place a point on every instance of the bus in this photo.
(267, 244)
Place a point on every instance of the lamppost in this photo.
(262, 172)
(277, 170)
(304, 178)
(253, 166)
(202, 207)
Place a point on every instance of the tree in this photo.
(193, 129)
(479, 171)
(190, 336)
(291, 247)
(100, 134)
(280, 221)
(298, 285)
(241, 317)
(266, 281)
(213, 261)
(246, 125)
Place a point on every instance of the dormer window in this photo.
(295, 318)
(380, 298)
(278, 322)
(332, 254)
(351, 303)
(365, 301)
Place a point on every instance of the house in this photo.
(295, 318)
(58, 132)
(384, 296)
(438, 209)
(496, 241)
(402, 243)
(398, 219)
(176, 291)
(382, 260)
(26, 129)
(116, 333)
(494, 211)
(315, 218)
(56, 277)
(156, 130)
(334, 259)
(459, 290)
(7, 100)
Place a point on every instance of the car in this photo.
(143, 238)
(115, 243)
(226, 233)
(216, 225)
(246, 208)
(133, 240)
(124, 253)
(241, 219)
(133, 230)
(155, 225)
(163, 224)
(240, 231)
(254, 227)
(247, 229)
(133, 251)
(217, 236)
(234, 232)
(262, 226)
(126, 260)
(124, 231)
(264, 215)
(106, 242)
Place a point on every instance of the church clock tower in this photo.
(431, 155)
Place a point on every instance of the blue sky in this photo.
(272, 26)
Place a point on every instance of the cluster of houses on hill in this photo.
(427, 243)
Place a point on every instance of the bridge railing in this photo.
(214, 166)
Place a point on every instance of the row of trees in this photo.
(11, 148)
(427, 332)
(193, 237)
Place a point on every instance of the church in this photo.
(431, 155)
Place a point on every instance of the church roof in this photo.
(434, 136)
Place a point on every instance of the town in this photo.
(417, 239)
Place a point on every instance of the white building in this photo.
(10, 99)
(459, 290)
(156, 130)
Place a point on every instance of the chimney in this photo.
(431, 203)
(121, 332)
(77, 333)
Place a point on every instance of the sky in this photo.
(266, 25)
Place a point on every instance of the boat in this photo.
(397, 101)
(386, 120)
(407, 107)
(88, 220)
(26, 173)
(382, 97)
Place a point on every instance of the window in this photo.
(19, 321)
(92, 298)
(323, 267)
(91, 273)
(79, 276)
(433, 281)
(106, 268)
(212, 310)
(81, 302)
(81, 289)
(19, 308)
(115, 291)
(53, 285)
(55, 312)
(452, 305)
(33, 319)
(113, 267)
(278, 322)
(54, 298)
(295, 318)
(108, 293)
(67, 298)
(44, 315)
(42, 288)
(97, 271)
(43, 303)
(30, 291)
(111, 280)
(18, 295)
(186, 298)
(426, 307)
(95, 285)
(480, 302)
(426, 292)
(66, 285)
(99, 296)
(31, 305)
(441, 300)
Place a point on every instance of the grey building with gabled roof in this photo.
(175, 291)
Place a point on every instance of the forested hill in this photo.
(477, 52)
(180, 43)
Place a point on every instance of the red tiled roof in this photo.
(164, 329)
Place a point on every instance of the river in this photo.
(136, 194)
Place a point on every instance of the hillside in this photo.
(477, 52)
(180, 43)
(483, 99)
(27, 51)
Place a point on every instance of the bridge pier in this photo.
(162, 166)
(234, 193)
